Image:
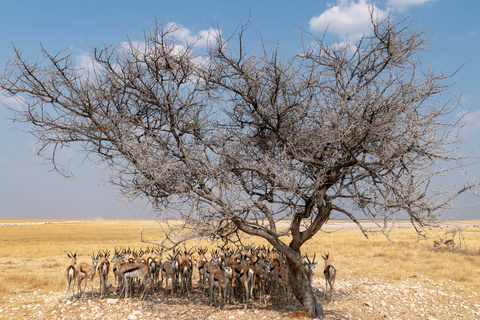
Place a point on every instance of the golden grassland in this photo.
(33, 256)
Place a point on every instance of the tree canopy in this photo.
(233, 141)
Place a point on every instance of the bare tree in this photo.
(234, 142)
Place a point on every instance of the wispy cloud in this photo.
(86, 62)
(470, 120)
(347, 18)
(404, 5)
(12, 102)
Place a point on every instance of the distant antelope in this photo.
(437, 243)
(449, 243)
(71, 273)
(86, 271)
(329, 273)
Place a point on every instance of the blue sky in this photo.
(29, 189)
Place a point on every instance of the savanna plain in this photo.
(406, 278)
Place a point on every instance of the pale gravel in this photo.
(411, 298)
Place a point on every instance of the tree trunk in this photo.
(302, 288)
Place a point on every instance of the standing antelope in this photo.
(152, 266)
(310, 267)
(208, 267)
(186, 271)
(158, 265)
(329, 273)
(279, 274)
(247, 279)
(201, 264)
(261, 276)
(103, 270)
(220, 279)
(71, 273)
(86, 271)
(437, 244)
(449, 243)
(132, 270)
(118, 275)
(168, 271)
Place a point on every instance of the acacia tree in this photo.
(234, 142)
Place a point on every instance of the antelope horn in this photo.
(309, 262)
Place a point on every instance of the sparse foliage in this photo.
(231, 141)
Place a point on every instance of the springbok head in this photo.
(326, 258)
(311, 264)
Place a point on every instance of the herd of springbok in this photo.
(232, 274)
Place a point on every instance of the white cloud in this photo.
(87, 65)
(347, 18)
(403, 5)
(186, 36)
(16, 103)
(206, 36)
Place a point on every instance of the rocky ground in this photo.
(412, 298)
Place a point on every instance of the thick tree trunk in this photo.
(302, 288)
(299, 283)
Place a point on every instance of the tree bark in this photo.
(302, 288)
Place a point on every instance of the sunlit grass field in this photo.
(33, 256)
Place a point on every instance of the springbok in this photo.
(168, 271)
(158, 266)
(279, 274)
(118, 276)
(208, 268)
(437, 243)
(220, 279)
(85, 272)
(71, 273)
(310, 267)
(329, 273)
(152, 266)
(132, 270)
(186, 271)
(449, 243)
(261, 276)
(103, 270)
(201, 264)
(247, 279)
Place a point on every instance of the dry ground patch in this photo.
(376, 279)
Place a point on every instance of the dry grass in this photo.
(32, 257)
(356, 256)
